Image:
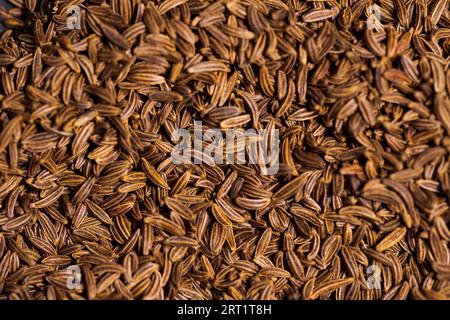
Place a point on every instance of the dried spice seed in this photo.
(359, 205)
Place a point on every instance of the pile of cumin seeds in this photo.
(358, 89)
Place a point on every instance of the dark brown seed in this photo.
(89, 187)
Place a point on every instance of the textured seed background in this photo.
(87, 183)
